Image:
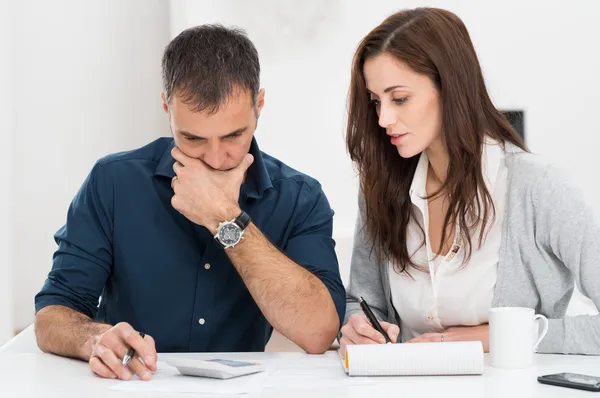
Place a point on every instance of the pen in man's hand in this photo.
(129, 355)
(371, 317)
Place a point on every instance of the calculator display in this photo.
(233, 364)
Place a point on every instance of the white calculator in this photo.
(214, 368)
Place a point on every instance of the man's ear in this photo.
(165, 105)
(260, 101)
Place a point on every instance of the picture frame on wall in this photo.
(516, 118)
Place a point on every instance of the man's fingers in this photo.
(392, 330)
(112, 341)
(180, 156)
(177, 166)
(176, 202)
(151, 362)
(143, 349)
(249, 159)
(245, 164)
(139, 369)
(110, 359)
(101, 369)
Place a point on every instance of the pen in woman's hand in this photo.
(373, 319)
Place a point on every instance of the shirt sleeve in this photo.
(311, 244)
(82, 262)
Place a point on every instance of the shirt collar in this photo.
(417, 187)
(257, 181)
(493, 155)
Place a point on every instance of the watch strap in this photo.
(243, 220)
(218, 242)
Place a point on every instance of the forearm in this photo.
(294, 301)
(66, 332)
(573, 335)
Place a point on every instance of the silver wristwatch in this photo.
(230, 233)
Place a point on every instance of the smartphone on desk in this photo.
(572, 380)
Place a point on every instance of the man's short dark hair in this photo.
(206, 64)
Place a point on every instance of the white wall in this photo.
(88, 84)
(6, 149)
(540, 56)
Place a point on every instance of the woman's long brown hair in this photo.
(435, 43)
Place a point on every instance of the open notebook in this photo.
(451, 358)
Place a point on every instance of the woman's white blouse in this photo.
(447, 293)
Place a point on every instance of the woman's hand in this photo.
(458, 333)
(358, 330)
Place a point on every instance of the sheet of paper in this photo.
(168, 379)
(309, 372)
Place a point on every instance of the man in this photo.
(196, 243)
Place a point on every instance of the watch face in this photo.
(229, 234)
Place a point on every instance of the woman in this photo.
(455, 215)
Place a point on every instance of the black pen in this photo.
(129, 355)
(371, 317)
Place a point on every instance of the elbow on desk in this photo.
(40, 336)
(44, 327)
(316, 346)
(321, 342)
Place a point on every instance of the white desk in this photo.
(26, 372)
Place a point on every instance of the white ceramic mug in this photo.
(514, 336)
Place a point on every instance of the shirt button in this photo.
(430, 316)
(207, 266)
(201, 321)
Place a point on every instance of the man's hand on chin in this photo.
(205, 196)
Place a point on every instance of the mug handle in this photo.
(544, 320)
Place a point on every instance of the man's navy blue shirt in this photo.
(123, 242)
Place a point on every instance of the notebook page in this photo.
(451, 358)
